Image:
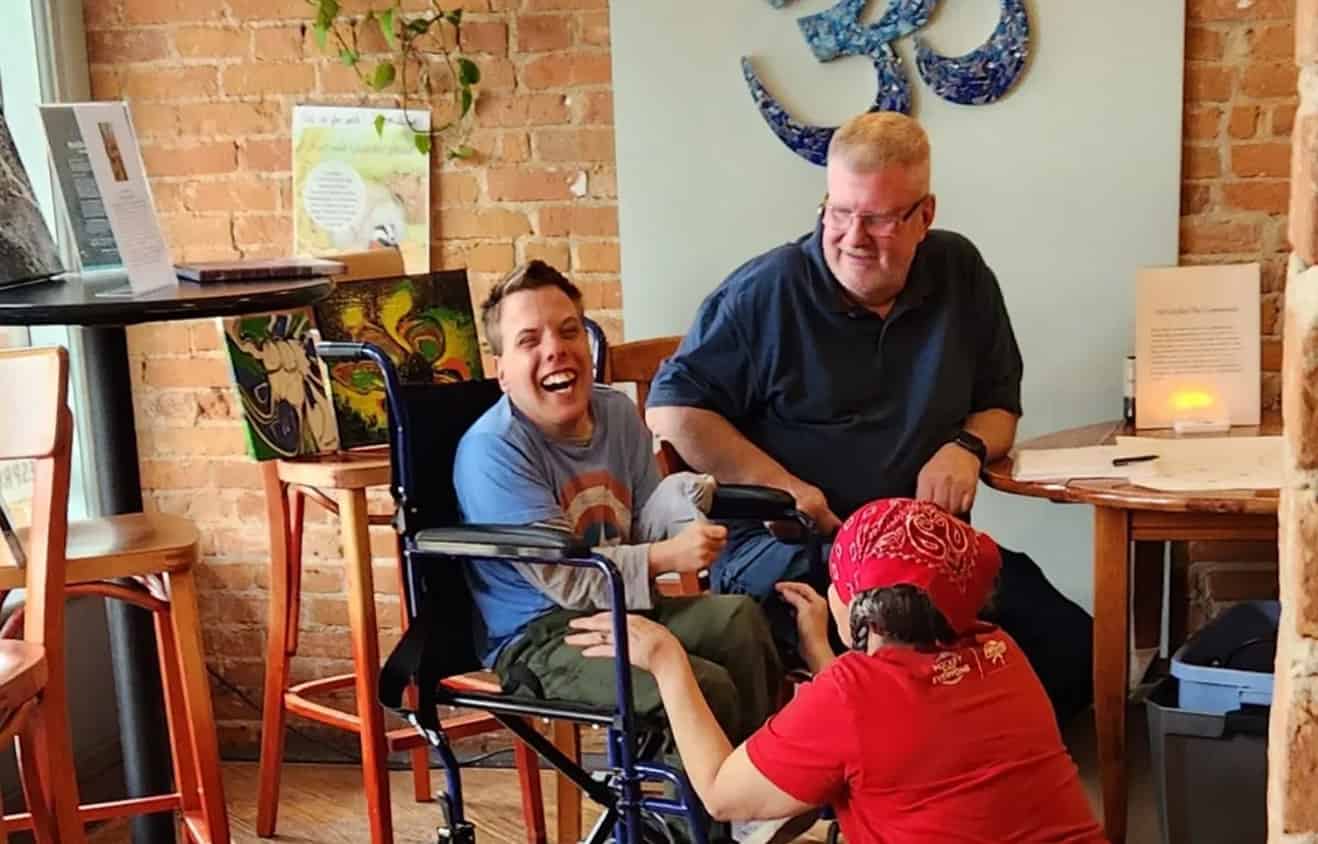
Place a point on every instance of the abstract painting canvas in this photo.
(284, 399)
(425, 324)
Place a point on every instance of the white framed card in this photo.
(1197, 345)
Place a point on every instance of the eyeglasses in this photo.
(841, 218)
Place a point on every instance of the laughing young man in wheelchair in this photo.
(558, 450)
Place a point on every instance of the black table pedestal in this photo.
(142, 726)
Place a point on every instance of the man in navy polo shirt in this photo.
(872, 358)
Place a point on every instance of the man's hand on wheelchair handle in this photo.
(811, 501)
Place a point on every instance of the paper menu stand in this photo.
(78, 189)
(99, 138)
(1197, 346)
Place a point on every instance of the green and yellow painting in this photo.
(284, 400)
(424, 323)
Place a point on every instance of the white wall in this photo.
(1066, 185)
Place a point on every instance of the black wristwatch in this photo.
(972, 444)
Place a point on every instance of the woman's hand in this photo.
(811, 623)
(650, 646)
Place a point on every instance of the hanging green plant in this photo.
(414, 40)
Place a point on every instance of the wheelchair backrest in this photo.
(426, 423)
(424, 444)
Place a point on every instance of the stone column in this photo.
(1293, 737)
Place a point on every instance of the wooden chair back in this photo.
(638, 362)
(43, 433)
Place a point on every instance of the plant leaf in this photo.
(419, 25)
(466, 101)
(326, 12)
(454, 17)
(386, 19)
(379, 125)
(422, 141)
(468, 72)
(349, 57)
(321, 32)
(461, 151)
(383, 76)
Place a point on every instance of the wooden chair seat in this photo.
(340, 470)
(120, 546)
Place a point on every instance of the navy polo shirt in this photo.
(846, 400)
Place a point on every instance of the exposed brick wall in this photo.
(1293, 736)
(1239, 109)
(211, 84)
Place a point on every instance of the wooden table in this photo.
(1124, 513)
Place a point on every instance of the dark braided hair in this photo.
(902, 614)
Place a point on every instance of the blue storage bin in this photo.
(1228, 664)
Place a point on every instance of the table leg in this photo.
(366, 661)
(142, 731)
(1111, 660)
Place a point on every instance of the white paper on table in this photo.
(1210, 463)
(116, 162)
(1061, 464)
(1197, 340)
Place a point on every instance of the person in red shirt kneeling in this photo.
(932, 727)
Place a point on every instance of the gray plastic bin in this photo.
(1211, 771)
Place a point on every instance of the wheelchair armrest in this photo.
(760, 503)
(540, 543)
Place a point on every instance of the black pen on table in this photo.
(1134, 458)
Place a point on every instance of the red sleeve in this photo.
(806, 748)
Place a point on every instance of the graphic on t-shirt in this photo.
(995, 651)
(599, 508)
(949, 669)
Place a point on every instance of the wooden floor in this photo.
(323, 804)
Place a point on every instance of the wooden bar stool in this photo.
(151, 558)
(339, 482)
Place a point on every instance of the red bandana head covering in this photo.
(896, 541)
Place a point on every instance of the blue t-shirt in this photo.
(846, 400)
(507, 471)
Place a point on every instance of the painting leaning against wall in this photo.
(285, 404)
(424, 323)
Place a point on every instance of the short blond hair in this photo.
(532, 275)
(879, 139)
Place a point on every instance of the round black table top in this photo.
(105, 299)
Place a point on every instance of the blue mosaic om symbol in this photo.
(979, 77)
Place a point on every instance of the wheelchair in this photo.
(440, 647)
